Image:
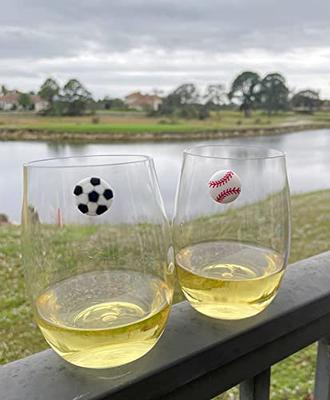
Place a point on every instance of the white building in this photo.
(10, 101)
(141, 102)
(39, 103)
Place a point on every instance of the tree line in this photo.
(71, 99)
(248, 91)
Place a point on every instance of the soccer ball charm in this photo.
(93, 196)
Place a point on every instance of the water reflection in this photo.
(57, 149)
(308, 162)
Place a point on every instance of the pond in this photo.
(308, 161)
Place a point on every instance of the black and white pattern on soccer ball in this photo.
(93, 196)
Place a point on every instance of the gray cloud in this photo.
(120, 45)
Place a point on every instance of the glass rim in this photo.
(193, 151)
(42, 163)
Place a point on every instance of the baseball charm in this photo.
(93, 196)
(224, 186)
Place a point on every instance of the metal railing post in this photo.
(256, 388)
(322, 375)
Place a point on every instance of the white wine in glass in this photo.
(231, 254)
(97, 255)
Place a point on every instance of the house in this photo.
(10, 101)
(141, 102)
(38, 102)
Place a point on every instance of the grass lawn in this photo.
(291, 379)
(126, 123)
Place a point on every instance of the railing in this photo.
(198, 357)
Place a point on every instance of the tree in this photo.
(215, 96)
(274, 93)
(75, 98)
(107, 103)
(3, 90)
(25, 101)
(182, 102)
(118, 104)
(49, 91)
(306, 100)
(186, 94)
(246, 90)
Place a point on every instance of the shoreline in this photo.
(120, 137)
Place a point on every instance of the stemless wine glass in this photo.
(97, 254)
(231, 228)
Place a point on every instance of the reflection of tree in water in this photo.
(65, 149)
(275, 141)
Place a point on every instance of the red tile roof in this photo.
(140, 99)
(13, 97)
(10, 97)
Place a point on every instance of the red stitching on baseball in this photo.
(225, 179)
(228, 192)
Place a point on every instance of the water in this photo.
(308, 161)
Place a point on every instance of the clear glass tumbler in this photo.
(231, 228)
(98, 257)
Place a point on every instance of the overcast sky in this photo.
(115, 47)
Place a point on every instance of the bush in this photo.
(171, 121)
(203, 113)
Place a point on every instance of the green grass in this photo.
(128, 123)
(291, 379)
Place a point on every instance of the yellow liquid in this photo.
(229, 280)
(104, 319)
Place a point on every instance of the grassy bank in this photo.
(292, 378)
(136, 126)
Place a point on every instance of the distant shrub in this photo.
(203, 113)
(168, 121)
